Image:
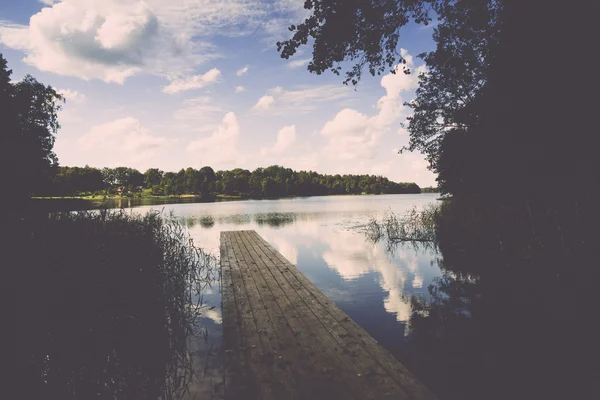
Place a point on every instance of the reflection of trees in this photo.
(514, 315)
(274, 219)
(238, 219)
(207, 221)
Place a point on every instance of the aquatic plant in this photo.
(108, 302)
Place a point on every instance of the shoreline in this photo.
(197, 197)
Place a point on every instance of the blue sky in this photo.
(178, 83)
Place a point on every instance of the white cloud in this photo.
(124, 140)
(72, 96)
(110, 40)
(197, 108)
(351, 256)
(105, 39)
(288, 12)
(221, 146)
(115, 39)
(298, 63)
(240, 89)
(14, 35)
(209, 17)
(354, 135)
(391, 106)
(193, 82)
(284, 246)
(214, 314)
(264, 103)
(286, 137)
(303, 99)
(307, 95)
(351, 135)
(241, 71)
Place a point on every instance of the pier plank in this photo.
(284, 339)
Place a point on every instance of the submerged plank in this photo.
(284, 339)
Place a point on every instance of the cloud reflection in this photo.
(351, 256)
(317, 239)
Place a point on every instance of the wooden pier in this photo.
(284, 339)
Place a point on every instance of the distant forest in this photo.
(273, 181)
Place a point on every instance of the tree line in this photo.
(273, 181)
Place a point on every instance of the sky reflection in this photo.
(324, 237)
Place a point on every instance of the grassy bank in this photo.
(104, 304)
(147, 194)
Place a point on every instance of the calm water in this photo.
(324, 237)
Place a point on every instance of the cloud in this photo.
(214, 315)
(284, 246)
(221, 146)
(109, 40)
(209, 17)
(72, 96)
(241, 71)
(307, 95)
(193, 82)
(303, 99)
(354, 135)
(240, 89)
(351, 256)
(113, 40)
(286, 137)
(298, 63)
(123, 140)
(351, 135)
(197, 108)
(285, 13)
(90, 39)
(264, 103)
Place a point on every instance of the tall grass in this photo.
(416, 226)
(106, 303)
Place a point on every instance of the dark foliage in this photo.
(28, 123)
(273, 181)
(525, 132)
(277, 181)
(513, 314)
(104, 305)
(494, 113)
(363, 31)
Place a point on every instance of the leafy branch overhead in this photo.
(368, 35)
(366, 32)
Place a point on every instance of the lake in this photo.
(325, 238)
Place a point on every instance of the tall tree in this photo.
(152, 177)
(29, 124)
(482, 111)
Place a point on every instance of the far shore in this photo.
(214, 197)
